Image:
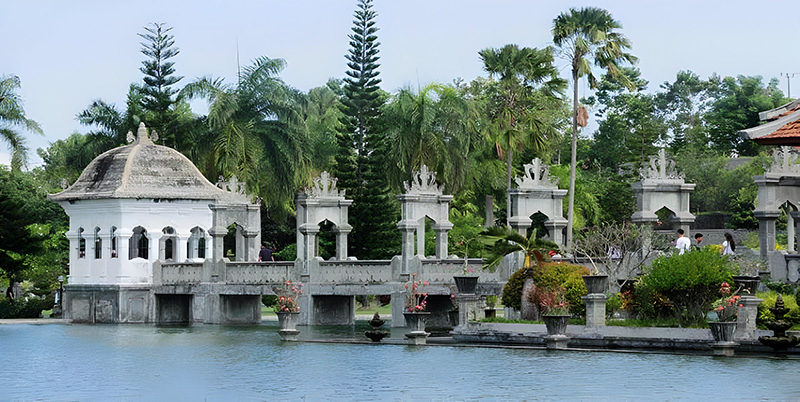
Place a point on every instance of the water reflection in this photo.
(120, 362)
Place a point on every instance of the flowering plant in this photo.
(725, 308)
(551, 301)
(287, 297)
(415, 297)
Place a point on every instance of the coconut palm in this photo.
(258, 134)
(520, 73)
(588, 36)
(12, 116)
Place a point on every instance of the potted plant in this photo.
(467, 282)
(555, 310)
(287, 309)
(722, 317)
(414, 312)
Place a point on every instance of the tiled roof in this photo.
(772, 132)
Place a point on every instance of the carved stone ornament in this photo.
(423, 182)
(130, 137)
(324, 186)
(661, 167)
(233, 185)
(536, 175)
(784, 160)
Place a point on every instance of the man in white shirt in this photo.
(683, 244)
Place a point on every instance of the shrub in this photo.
(683, 285)
(289, 253)
(32, 308)
(549, 276)
(269, 300)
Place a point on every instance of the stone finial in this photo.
(660, 167)
(324, 186)
(233, 185)
(423, 182)
(64, 183)
(153, 135)
(784, 160)
(130, 137)
(536, 175)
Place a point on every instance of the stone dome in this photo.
(143, 169)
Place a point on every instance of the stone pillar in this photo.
(421, 238)
(249, 252)
(407, 244)
(467, 308)
(595, 309)
(489, 206)
(766, 230)
(398, 303)
(341, 242)
(746, 318)
(794, 224)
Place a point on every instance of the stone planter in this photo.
(416, 323)
(749, 284)
(596, 284)
(287, 323)
(466, 284)
(556, 324)
(722, 331)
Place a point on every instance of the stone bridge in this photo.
(230, 292)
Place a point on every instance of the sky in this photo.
(68, 53)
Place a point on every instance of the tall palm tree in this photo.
(588, 36)
(12, 115)
(520, 72)
(258, 133)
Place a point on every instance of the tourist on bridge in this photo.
(266, 253)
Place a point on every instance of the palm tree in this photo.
(584, 36)
(258, 132)
(500, 241)
(432, 127)
(513, 124)
(12, 115)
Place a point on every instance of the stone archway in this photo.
(423, 199)
(537, 192)
(661, 186)
(323, 201)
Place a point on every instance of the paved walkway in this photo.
(36, 321)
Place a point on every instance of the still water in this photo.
(222, 363)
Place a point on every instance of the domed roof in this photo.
(143, 169)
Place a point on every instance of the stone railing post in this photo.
(747, 313)
(595, 309)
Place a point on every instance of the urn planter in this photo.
(596, 284)
(287, 323)
(415, 321)
(722, 331)
(749, 284)
(466, 284)
(556, 323)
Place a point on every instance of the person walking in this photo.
(728, 246)
(682, 243)
(698, 238)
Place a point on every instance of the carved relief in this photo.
(536, 175)
(423, 182)
(233, 185)
(324, 186)
(784, 160)
(660, 167)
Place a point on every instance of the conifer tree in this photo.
(158, 98)
(358, 163)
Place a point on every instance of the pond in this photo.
(220, 363)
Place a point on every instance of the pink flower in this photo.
(426, 283)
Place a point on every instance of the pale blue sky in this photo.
(68, 53)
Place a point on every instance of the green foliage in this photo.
(683, 286)
(12, 117)
(512, 291)
(789, 301)
(269, 300)
(158, 93)
(567, 277)
(288, 253)
(32, 308)
(500, 241)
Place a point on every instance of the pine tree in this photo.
(158, 95)
(359, 168)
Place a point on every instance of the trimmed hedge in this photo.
(25, 309)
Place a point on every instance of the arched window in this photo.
(113, 242)
(81, 245)
(168, 243)
(98, 244)
(196, 246)
(139, 244)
